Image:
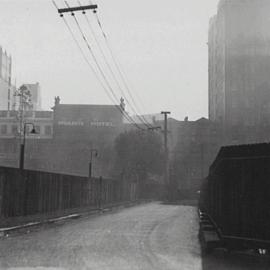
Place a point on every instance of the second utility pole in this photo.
(166, 132)
(166, 152)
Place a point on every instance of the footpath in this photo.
(22, 223)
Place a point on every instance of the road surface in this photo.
(152, 236)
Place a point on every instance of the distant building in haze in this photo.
(239, 70)
(64, 138)
(35, 92)
(6, 88)
(197, 145)
(78, 129)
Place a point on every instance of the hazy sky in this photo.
(161, 46)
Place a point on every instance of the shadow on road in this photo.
(222, 260)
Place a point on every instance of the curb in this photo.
(4, 232)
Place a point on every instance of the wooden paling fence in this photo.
(34, 192)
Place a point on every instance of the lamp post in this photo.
(33, 131)
(95, 152)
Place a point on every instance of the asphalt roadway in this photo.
(145, 237)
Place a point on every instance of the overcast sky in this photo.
(161, 46)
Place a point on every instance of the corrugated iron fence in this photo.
(32, 192)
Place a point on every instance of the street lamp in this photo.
(95, 152)
(33, 131)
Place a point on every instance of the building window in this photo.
(234, 103)
(28, 129)
(28, 114)
(234, 121)
(13, 113)
(43, 114)
(3, 129)
(3, 113)
(37, 128)
(48, 130)
(14, 129)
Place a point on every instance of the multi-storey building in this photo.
(6, 88)
(10, 123)
(239, 68)
(197, 146)
(35, 95)
(11, 136)
(80, 129)
(64, 139)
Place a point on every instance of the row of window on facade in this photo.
(14, 129)
(27, 114)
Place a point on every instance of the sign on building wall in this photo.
(86, 122)
(83, 124)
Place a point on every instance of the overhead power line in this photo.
(69, 9)
(125, 115)
(133, 108)
(117, 65)
(96, 61)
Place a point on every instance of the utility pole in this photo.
(166, 152)
(22, 148)
(166, 131)
(100, 194)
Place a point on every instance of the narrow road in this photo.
(146, 237)
(151, 236)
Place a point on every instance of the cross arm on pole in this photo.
(71, 9)
(154, 128)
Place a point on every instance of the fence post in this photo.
(1, 193)
(100, 193)
(26, 187)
